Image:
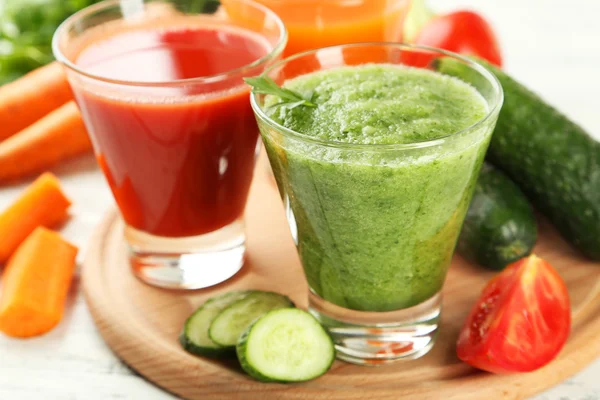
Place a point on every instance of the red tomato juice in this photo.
(183, 166)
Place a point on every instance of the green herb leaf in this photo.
(290, 98)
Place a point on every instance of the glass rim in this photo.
(489, 76)
(207, 79)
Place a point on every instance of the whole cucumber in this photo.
(500, 226)
(552, 159)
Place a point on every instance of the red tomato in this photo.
(463, 32)
(520, 322)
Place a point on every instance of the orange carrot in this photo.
(41, 204)
(36, 283)
(24, 101)
(57, 136)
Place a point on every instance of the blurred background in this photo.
(551, 45)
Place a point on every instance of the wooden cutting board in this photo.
(141, 323)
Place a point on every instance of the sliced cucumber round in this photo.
(226, 328)
(286, 345)
(194, 336)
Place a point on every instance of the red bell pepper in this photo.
(463, 32)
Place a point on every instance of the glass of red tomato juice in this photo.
(160, 88)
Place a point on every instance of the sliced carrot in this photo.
(24, 101)
(42, 204)
(58, 136)
(36, 283)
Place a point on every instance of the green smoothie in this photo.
(375, 208)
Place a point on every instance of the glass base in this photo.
(378, 338)
(187, 263)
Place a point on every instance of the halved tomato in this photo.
(520, 322)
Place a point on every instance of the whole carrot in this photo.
(29, 98)
(41, 204)
(56, 137)
(35, 284)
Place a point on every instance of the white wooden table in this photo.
(552, 45)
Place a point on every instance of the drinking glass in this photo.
(314, 24)
(178, 154)
(376, 225)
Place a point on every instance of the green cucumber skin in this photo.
(500, 225)
(552, 159)
(253, 372)
(214, 351)
(212, 335)
(240, 350)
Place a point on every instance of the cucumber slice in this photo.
(194, 336)
(226, 328)
(286, 345)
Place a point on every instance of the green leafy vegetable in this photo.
(27, 26)
(289, 98)
(204, 6)
(26, 29)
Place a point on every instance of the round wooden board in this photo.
(141, 323)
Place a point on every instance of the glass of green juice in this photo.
(376, 177)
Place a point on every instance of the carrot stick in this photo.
(24, 101)
(36, 283)
(41, 204)
(56, 137)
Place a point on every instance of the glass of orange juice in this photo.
(313, 24)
